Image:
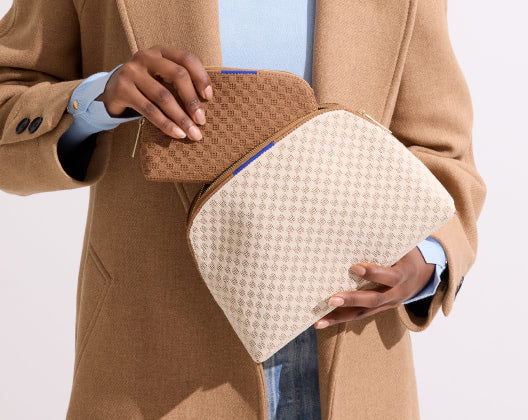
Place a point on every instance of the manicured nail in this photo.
(336, 301)
(178, 132)
(359, 270)
(321, 324)
(195, 133)
(208, 92)
(200, 116)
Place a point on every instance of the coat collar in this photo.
(358, 55)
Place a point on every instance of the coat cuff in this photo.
(417, 316)
(29, 162)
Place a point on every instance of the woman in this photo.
(150, 341)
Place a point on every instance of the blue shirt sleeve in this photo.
(89, 116)
(433, 253)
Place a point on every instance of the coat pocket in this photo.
(94, 286)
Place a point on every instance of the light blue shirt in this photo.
(247, 42)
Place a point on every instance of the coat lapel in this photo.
(358, 55)
(359, 52)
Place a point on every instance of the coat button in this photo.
(22, 125)
(34, 125)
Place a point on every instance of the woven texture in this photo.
(246, 109)
(279, 238)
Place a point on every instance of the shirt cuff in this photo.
(90, 116)
(433, 253)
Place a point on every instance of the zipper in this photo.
(362, 112)
(195, 202)
(257, 70)
(140, 126)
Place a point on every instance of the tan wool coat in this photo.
(150, 340)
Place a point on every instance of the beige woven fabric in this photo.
(246, 109)
(278, 238)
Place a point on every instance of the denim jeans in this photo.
(292, 379)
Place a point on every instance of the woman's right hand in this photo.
(136, 85)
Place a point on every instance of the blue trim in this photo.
(239, 71)
(253, 158)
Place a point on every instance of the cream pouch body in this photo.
(275, 235)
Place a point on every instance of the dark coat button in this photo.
(34, 125)
(22, 125)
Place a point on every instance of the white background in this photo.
(470, 365)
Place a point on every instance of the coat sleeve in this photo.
(433, 117)
(40, 67)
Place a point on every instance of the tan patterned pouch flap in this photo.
(247, 107)
(276, 236)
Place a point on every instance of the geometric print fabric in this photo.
(277, 239)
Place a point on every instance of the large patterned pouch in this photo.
(275, 234)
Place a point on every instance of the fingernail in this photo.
(208, 92)
(178, 132)
(336, 301)
(200, 116)
(321, 324)
(359, 270)
(195, 133)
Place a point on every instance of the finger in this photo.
(194, 66)
(164, 101)
(339, 315)
(180, 78)
(145, 107)
(366, 298)
(389, 276)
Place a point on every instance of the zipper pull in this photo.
(141, 122)
(362, 112)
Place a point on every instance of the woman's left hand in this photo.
(397, 284)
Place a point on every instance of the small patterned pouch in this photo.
(247, 107)
(275, 233)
